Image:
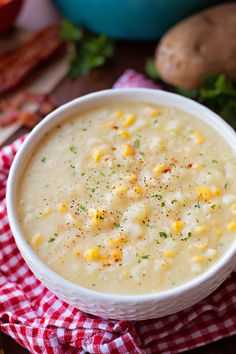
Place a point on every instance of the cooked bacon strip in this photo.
(26, 108)
(16, 65)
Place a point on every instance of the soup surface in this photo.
(130, 199)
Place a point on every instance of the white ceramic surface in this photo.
(106, 305)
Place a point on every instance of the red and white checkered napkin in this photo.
(42, 323)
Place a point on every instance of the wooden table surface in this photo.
(128, 55)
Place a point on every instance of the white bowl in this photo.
(138, 307)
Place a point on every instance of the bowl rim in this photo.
(221, 127)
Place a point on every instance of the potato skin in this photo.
(203, 43)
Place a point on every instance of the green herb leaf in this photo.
(163, 234)
(73, 149)
(157, 196)
(116, 225)
(187, 237)
(70, 32)
(219, 94)
(43, 159)
(190, 93)
(146, 256)
(136, 143)
(89, 51)
(216, 92)
(83, 208)
(51, 239)
(151, 69)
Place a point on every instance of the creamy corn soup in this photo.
(130, 199)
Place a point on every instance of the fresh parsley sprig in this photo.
(89, 51)
(216, 92)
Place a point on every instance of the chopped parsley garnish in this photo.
(84, 129)
(214, 161)
(173, 201)
(116, 225)
(73, 149)
(187, 237)
(83, 208)
(146, 256)
(163, 234)
(136, 143)
(157, 196)
(155, 121)
(226, 186)
(43, 159)
(163, 204)
(213, 206)
(92, 190)
(53, 238)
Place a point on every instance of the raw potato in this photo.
(202, 44)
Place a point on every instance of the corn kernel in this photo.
(132, 177)
(160, 168)
(201, 230)
(154, 113)
(198, 259)
(199, 138)
(120, 190)
(119, 114)
(201, 246)
(204, 193)
(169, 254)
(219, 232)
(129, 120)
(96, 216)
(113, 243)
(126, 275)
(96, 155)
(103, 258)
(232, 226)
(233, 208)
(177, 226)
(92, 254)
(198, 167)
(116, 255)
(78, 252)
(124, 134)
(138, 189)
(63, 208)
(128, 150)
(216, 192)
(37, 240)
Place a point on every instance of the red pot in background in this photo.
(9, 10)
